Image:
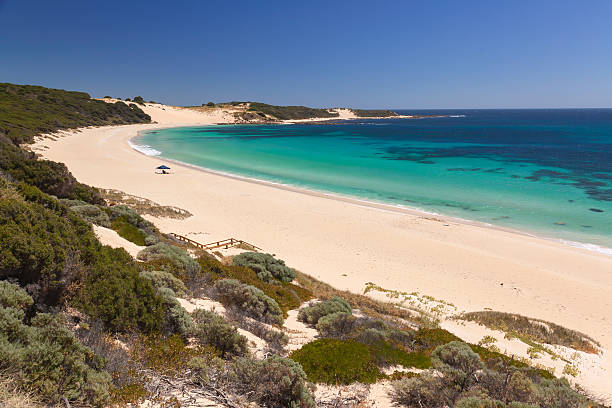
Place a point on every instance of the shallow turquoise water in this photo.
(547, 172)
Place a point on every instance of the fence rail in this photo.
(224, 243)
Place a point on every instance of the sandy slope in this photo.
(348, 244)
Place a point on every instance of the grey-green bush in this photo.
(178, 256)
(132, 217)
(267, 267)
(458, 363)
(249, 300)
(312, 314)
(45, 357)
(210, 328)
(338, 325)
(273, 382)
(177, 320)
(425, 390)
(12, 296)
(161, 279)
(93, 214)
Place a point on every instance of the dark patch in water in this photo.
(426, 162)
(587, 226)
(496, 170)
(516, 176)
(464, 169)
(570, 201)
(597, 210)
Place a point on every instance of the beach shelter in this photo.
(163, 168)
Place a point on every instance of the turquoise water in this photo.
(547, 172)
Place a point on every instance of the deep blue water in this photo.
(543, 171)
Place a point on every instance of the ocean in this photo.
(545, 172)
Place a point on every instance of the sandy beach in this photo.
(347, 244)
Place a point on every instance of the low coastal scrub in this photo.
(290, 112)
(26, 111)
(287, 295)
(312, 314)
(142, 205)
(534, 330)
(460, 378)
(171, 259)
(212, 329)
(163, 279)
(273, 382)
(373, 113)
(115, 293)
(89, 212)
(267, 267)
(41, 355)
(248, 300)
(334, 361)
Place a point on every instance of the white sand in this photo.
(348, 244)
(110, 237)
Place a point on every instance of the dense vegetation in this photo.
(290, 112)
(374, 113)
(266, 266)
(26, 111)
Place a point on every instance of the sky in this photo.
(362, 54)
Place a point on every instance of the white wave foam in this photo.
(144, 149)
(456, 116)
(589, 247)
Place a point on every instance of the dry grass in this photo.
(143, 205)
(533, 330)
(370, 307)
(11, 396)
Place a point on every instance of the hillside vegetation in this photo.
(27, 110)
(374, 113)
(290, 112)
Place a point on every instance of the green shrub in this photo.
(426, 390)
(478, 402)
(249, 300)
(273, 382)
(335, 361)
(139, 100)
(183, 266)
(458, 363)
(128, 231)
(177, 319)
(42, 244)
(162, 279)
(430, 338)
(12, 296)
(312, 314)
(91, 213)
(210, 328)
(339, 325)
(45, 357)
(266, 266)
(115, 292)
(287, 295)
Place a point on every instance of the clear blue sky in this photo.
(397, 54)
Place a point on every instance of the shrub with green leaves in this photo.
(161, 279)
(178, 260)
(45, 357)
(287, 295)
(266, 266)
(177, 319)
(273, 382)
(312, 314)
(249, 300)
(460, 378)
(92, 213)
(339, 325)
(115, 292)
(210, 328)
(334, 361)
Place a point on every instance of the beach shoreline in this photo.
(399, 208)
(347, 244)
